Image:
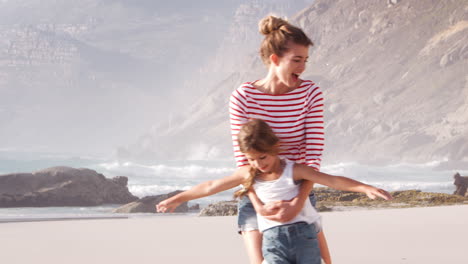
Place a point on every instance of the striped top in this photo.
(296, 118)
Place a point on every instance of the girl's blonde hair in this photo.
(278, 33)
(256, 135)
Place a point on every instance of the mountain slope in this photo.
(396, 78)
(395, 82)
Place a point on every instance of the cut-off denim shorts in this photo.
(292, 243)
(247, 217)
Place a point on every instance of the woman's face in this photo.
(292, 64)
(262, 161)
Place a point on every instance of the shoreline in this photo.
(111, 216)
(47, 219)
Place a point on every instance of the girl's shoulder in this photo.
(299, 170)
(244, 171)
(299, 166)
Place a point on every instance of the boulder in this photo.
(461, 184)
(224, 208)
(406, 198)
(195, 207)
(62, 186)
(148, 204)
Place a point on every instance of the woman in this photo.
(294, 110)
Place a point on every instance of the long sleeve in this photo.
(314, 129)
(238, 116)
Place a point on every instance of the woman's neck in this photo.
(272, 85)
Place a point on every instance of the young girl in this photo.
(273, 179)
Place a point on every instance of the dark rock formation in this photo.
(148, 204)
(62, 186)
(223, 208)
(407, 198)
(461, 184)
(195, 207)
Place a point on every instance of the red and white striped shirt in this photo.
(296, 118)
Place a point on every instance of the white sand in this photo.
(416, 235)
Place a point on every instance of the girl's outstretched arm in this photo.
(302, 172)
(204, 189)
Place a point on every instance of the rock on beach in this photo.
(62, 186)
(148, 204)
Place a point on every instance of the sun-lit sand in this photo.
(415, 235)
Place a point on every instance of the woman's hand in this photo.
(283, 211)
(168, 205)
(268, 209)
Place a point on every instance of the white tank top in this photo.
(283, 188)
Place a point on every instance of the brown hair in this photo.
(278, 33)
(256, 135)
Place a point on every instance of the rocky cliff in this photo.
(395, 78)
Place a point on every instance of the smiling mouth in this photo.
(295, 76)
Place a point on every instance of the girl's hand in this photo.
(373, 192)
(166, 205)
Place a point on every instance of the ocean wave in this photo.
(443, 187)
(164, 170)
(148, 190)
(169, 176)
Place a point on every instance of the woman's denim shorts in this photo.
(247, 217)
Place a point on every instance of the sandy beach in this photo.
(393, 236)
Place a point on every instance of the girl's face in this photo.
(262, 161)
(291, 65)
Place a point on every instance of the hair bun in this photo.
(270, 24)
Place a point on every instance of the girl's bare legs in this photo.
(324, 251)
(253, 245)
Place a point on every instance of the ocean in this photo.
(162, 177)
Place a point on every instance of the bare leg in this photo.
(324, 251)
(253, 245)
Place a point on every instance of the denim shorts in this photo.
(292, 243)
(247, 217)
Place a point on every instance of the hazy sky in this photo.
(85, 77)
